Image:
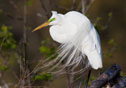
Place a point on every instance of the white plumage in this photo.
(75, 30)
(78, 39)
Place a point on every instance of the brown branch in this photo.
(109, 74)
(63, 8)
(89, 5)
(108, 21)
(45, 9)
(10, 16)
(25, 47)
(25, 38)
(83, 6)
(73, 5)
(14, 5)
(24, 60)
(18, 16)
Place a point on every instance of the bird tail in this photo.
(95, 59)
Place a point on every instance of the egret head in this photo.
(54, 20)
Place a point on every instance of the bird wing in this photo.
(96, 39)
(91, 47)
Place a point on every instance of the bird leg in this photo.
(86, 83)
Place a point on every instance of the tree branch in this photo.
(109, 74)
(73, 5)
(121, 83)
(44, 8)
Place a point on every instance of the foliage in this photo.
(112, 42)
(1, 11)
(3, 67)
(108, 54)
(29, 2)
(6, 38)
(47, 51)
(43, 77)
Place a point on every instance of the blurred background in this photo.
(21, 50)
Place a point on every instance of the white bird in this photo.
(78, 38)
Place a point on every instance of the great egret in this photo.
(78, 38)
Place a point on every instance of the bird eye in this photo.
(52, 19)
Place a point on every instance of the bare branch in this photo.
(89, 5)
(109, 74)
(44, 8)
(121, 83)
(83, 6)
(73, 5)
(14, 5)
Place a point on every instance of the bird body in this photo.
(78, 38)
(78, 30)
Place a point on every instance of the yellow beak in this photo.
(41, 26)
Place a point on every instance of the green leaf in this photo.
(47, 50)
(3, 67)
(29, 2)
(44, 50)
(108, 54)
(10, 34)
(110, 14)
(43, 76)
(7, 41)
(43, 42)
(1, 11)
(4, 28)
(28, 27)
(112, 42)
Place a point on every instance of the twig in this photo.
(25, 38)
(44, 8)
(73, 5)
(108, 22)
(25, 71)
(63, 8)
(14, 5)
(25, 47)
(89, 5)
(83, 6)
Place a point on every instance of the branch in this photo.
(89, 5)
(44, 8)
(73, 5)
(121, 83)
(14, 5)
(109, 74)
(24, 61)
(83, 6)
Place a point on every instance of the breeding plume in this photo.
(78, 39)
